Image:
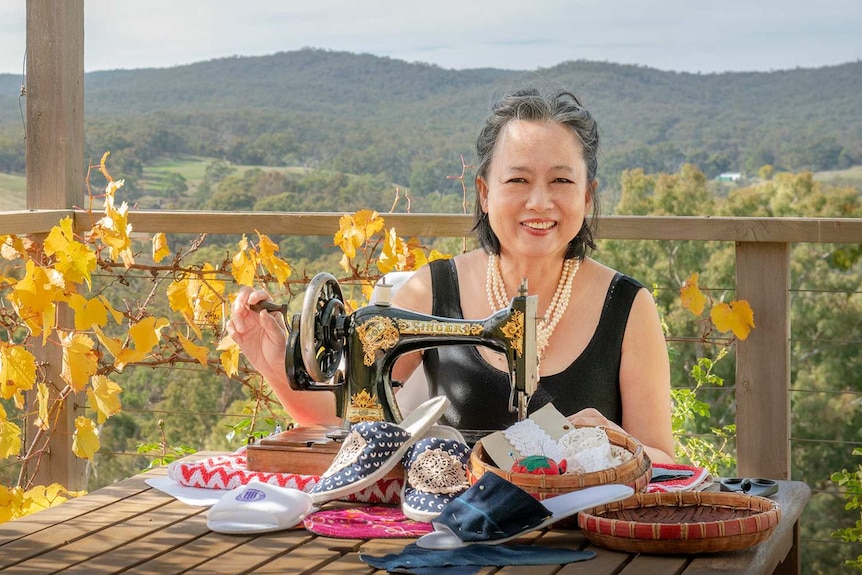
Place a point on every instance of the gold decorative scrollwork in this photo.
(375, 334)
(364, 407)
(514, 330)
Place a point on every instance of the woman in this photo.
(603, 359)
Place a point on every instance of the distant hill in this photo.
(367, 114)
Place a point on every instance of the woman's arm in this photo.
(645, 380)
(644, 384)
(261, 337)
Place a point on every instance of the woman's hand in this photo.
(591, 417)
(260, 335)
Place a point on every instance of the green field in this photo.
(13, 192)
(193, 168)
(850, 176)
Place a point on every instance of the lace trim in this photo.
(527, 437)
(352, 447)
(437, 471)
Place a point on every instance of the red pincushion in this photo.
(538, 465)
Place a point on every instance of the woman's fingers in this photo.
(240, 308)
(589, 417)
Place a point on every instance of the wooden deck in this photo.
(132, 528)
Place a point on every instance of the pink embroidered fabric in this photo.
(374, 522)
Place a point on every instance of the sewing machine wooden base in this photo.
(303, 450)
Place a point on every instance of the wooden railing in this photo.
(763, 245)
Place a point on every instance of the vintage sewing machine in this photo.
(352, 355)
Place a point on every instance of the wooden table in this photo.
(132, 528)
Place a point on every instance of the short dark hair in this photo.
(561, 107)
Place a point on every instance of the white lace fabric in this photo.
(588, 449)
(585, 449)
(529, 439)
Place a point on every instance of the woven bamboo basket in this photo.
(686, 522)
(636, 472)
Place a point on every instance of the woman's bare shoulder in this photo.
(415, 293)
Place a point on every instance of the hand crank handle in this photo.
(269, 305)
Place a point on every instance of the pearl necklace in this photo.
(497, 298)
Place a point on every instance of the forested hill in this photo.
(366, 114)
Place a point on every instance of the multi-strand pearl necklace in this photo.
(498, 299)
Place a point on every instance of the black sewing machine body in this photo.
(353, 354)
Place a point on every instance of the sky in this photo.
(674, 35)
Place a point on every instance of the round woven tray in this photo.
(681, 522)
(635, 472)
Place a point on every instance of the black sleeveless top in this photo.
(479, 393)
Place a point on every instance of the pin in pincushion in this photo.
(539, 465)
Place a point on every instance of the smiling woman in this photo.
(602, 353)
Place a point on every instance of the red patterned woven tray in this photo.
(681, 522)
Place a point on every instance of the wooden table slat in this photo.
(131, 528)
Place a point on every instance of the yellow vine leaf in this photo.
(393, 255)
(17, 372)
(229, 357)
(112, 344)
(190, 321)
(114, 228)
(42, 497)
(42, 396)
(145, 336)
(198, 352)
(354, 230)
(118, 317)
(438, 255)
(201, 302)
(692, 298)
(178, 297)
(367, 289)
(14, 248)
(103, 166)
(76, 261)
(274, 264)
(85, 440)
(11, 502)
(209, 302)
(344, 262)
(104, 397)
(160, 247)
(34, 298)
(737, 316)
(10, 440)
(80, 360)
(88, 312)
(243, 264)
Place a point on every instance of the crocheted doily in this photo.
(437, 471)
(353, 445)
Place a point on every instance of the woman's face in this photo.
(536, 193)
